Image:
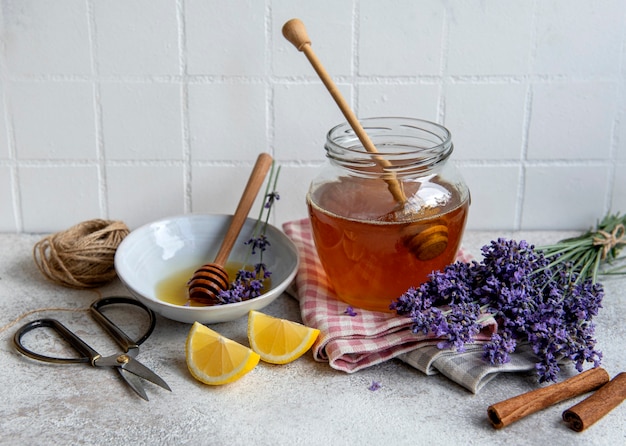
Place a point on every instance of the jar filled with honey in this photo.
(383, 221)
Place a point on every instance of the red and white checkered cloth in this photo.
(348, 343)
(351, 343)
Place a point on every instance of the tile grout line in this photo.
(184, 106)
(269, 89)
(526, 120)
(16, 196)
(98, 115)
(270, 116)
(443, 66)
(619, 117)
(356, 60)
(211, 79)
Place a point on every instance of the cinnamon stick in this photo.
(508, 411)
(590, 410)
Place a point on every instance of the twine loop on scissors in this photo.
(610, 240)
(82, 256)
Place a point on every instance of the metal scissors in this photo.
(129, 368)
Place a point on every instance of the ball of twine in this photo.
(82, 256)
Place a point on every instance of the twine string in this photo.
(39, 310)
(44, 310)
(82, 256)
(610, 240)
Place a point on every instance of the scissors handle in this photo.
(114, 331)
(88, 354)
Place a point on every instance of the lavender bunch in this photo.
(249, 284)
(589, 252)
(533, 300)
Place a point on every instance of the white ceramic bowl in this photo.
(155, 251)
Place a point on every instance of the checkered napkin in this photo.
(351, 343)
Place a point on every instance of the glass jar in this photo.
(383, 221)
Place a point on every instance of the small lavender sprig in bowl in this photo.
(249, 284)
(544, 297)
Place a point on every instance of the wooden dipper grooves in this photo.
(424, 246)
(211, 278)
(429, 243)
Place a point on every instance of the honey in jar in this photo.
(373, 247)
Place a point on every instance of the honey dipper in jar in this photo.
(387, 209)
(425, 244)
(211, 278)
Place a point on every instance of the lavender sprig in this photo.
(534, 301)
(249, 284)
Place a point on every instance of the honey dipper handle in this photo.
(259, 172)
(295, 32)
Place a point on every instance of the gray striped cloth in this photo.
(468, 368)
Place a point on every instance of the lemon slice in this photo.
(214, 359)
(279, 341)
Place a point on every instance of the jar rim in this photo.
(375, 127)
(408, 144)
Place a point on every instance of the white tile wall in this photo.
(578, 37)
(583, 130)
(403, 39)
(141, 120)
(57, 196)
(493, 37)
(487, 120)
(7, 217)
(497, 201)
(135, 110)
(140, 37)
(225, 38)
(404, 99)
(46, 38)
(4, 135)
(551, 192)
(45, 127)
(236, 130)
(141, 193)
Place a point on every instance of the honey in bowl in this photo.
(174, 289)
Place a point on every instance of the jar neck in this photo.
(409, 147)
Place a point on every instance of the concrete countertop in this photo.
(299, 403)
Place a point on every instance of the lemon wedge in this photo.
(279, 341)
(214, 359)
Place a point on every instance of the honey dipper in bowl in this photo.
(211, 278)
(424, 243)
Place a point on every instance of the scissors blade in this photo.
(135, 367)
(134, 382)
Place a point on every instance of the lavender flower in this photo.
(247, 285)
(350, 311)
(376, 385)
(533, 300)
(270, 199)
(261, 243)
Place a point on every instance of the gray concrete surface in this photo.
(302, 403)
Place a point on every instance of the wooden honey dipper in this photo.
(211, 278)
(429, 243)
